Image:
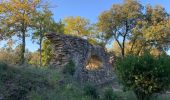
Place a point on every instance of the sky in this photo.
(89, 9)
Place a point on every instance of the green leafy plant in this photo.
(3, 66)
(109, 95)
(47, 52)
(144, 74)
(69, 68)
(91, 91)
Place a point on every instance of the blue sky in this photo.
(89, 9)
(92, 8)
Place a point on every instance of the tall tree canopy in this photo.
(76, 26)
(43, 23)
(16, 17)
(129, 24)
(119, 21)
(152, 32)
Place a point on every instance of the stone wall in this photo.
(80, 51)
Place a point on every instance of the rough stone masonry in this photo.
(91, 61)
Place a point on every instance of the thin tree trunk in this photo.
(118, 42)
(23, 48)
(23, 30)
(40, 50)
(41, 38)
(124, 40)
(123, 46)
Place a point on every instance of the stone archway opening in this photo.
(91, 61)
(94, 63)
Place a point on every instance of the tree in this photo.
(43, 23)
(76, 26)
(47, 51)
(34, 58)
(119, 21)
(16, 18)
(134, 29)
(152, 32)
(7, 54)
(136, 49)
(10, 55)
(81, 27)
(115, 48)
(145, 75)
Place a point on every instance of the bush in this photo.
(31, 83)
(90, 91)
(3, 66)
(69, 68)
(109, 95)
(144, 74)
(17, 82)
(9, 56)
(47, 52)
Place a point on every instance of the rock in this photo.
(91, 61)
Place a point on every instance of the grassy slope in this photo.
(20, 83)
(30, 83)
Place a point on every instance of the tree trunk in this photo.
(23, 30)
(40, 50)
(124, 40)
(123, 47)
(141, 96)
(23, 48)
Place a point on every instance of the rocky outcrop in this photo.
(84, 55)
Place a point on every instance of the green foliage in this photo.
(151, 32)
(69, 68)
(12, 56)
(16, 83)
(8, 56)
(145, 29)
(118, 22)
(43, 23)
(92, 41)
(76, 26)
(3, 66)
(162, 97)
(16, 19)
(47, 53)
(30, 83)
(91, 91)
(144, 74)
(109, 94)
(34, 59)
(47, 46)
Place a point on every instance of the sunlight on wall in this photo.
(94, 63)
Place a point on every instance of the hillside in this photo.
(30, 83)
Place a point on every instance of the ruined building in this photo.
(91, 61)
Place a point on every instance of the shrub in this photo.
(144, 74)
(109, 95)
(8, 56)
(47, 52)
(69, 68)
(3, 66)
(17, 82)
(91, 91)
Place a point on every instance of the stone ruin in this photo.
(91, 62)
